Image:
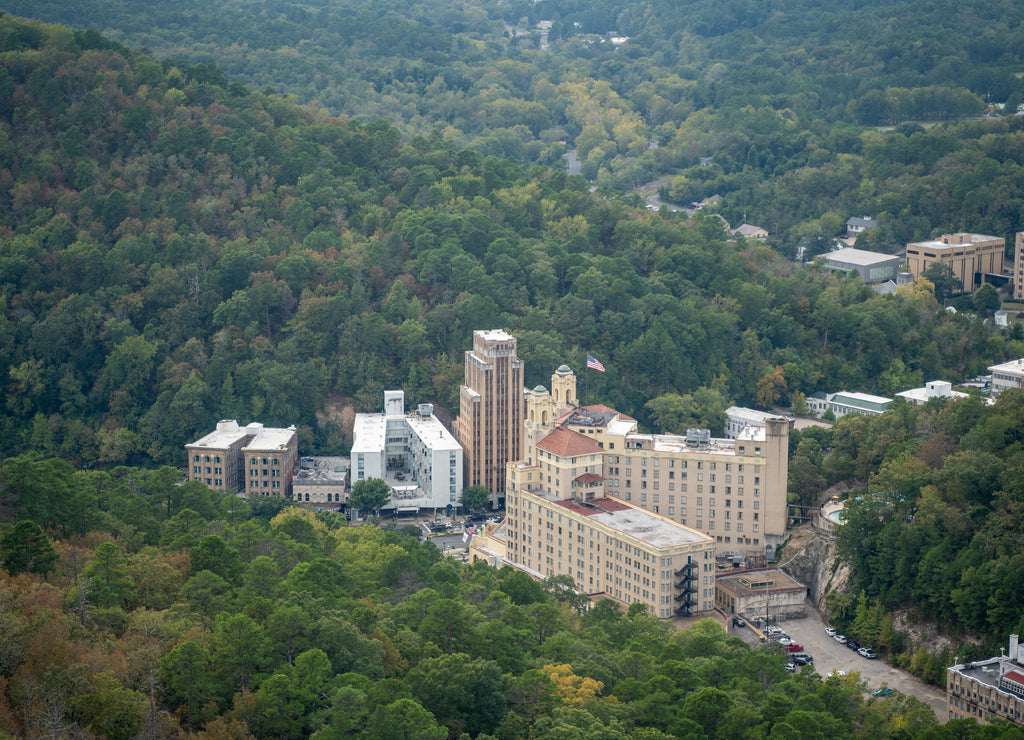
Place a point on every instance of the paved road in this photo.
(830, 656)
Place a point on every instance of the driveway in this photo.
(830, 656)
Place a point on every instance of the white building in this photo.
(738, 418)
(418, 458)
(932, 389)
(1006, 376)
(846, 402)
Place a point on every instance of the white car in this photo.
(830, 632)
(841, 639)
(784, 641)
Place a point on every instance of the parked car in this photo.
(853, 645)
(841, 639)
(868, 653)
(794, 647)
(784, 641)
(830, 632)
(737, 622)
(791, 667)
(802, 659)
(771, 629)
(884, 691)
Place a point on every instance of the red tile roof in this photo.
(590, 478)
(564, 442)
(594, 506)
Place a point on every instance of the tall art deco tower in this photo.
(492, 404)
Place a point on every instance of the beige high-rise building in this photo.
(492, 406)
(1018, 267)
(967, 255)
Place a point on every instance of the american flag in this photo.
(594, 364)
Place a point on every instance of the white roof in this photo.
(750, 416)
(648, 528)
(859, 257)
(1013, 367)
(854, 396)
(269, 439)
(228, 433)
(495, 335)
(921, 395)
(368, 433)
(431, 432)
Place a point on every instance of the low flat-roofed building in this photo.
(419, 459)
(988, 690)
(932, 389)
(321, 480)
(969, 256)
(872, 267)
(760, 593)
(847, 402)
(1006, 376)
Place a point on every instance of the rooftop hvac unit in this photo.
(698, 437)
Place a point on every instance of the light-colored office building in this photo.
(987, 690)
(252, 460)
(969, 256)
(1007, 376)
(418, 458)
(321, 480)
(491, 410)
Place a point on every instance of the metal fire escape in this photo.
(687, 585)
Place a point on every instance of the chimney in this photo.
(1014, 649)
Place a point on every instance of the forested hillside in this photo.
(174, 250)
(185, 616)
(777, 93)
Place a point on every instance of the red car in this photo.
(794, 648)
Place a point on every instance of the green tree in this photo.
(369, 495)
(26, 549)
(474, 498)
(986, 299)
(109, 584)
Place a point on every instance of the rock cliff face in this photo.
(811, 559)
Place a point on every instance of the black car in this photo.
(737, 622)
(852, 645)
(801, 659)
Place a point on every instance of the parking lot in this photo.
(830, 655)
